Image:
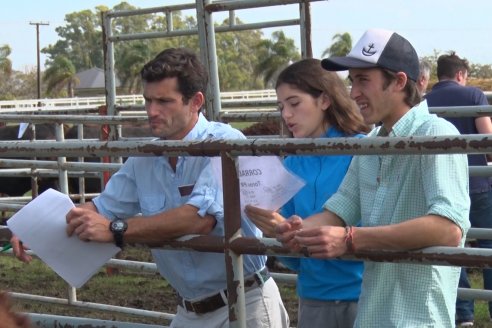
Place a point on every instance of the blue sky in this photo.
(442, 25)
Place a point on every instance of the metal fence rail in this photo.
(9, 106)
(475, 257)
(252, 109)
(417, 145)
(233, 99)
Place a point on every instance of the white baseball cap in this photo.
(378, 48)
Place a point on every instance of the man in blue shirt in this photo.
(151, 199)
(451, 90)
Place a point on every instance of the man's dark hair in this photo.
(412, 94)
(449, 65)
(181, 63)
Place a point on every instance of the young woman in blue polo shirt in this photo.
(314, 103)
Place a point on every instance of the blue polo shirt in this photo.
(451, 93)
(322, 280)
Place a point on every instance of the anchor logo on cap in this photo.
(369, 50)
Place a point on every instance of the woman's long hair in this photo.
(308, 76)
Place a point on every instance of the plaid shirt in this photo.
(389, 189)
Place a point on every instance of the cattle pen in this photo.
(115, 112)
(256, 146)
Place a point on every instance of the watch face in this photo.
(118, 225)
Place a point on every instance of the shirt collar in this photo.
(443, 84)
(198, 129)
(408, 123)
(412, 119)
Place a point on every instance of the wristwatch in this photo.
(118, 228)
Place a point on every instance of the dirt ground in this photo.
(147, 291)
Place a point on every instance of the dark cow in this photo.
(265, 128)
(93, 185)
(96, 132)
(18, 186)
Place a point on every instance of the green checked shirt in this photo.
(389, 189)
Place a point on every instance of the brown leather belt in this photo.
(216, 301)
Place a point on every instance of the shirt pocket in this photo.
(152, 204)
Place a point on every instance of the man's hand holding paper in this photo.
(88, 225)
(42, 224)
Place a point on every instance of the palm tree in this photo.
(340, 47)
(130, 59)
(274, 55)
(60, 74)
(5, 62)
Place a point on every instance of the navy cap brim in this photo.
(344, 63)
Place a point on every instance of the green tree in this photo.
(238, 53)
(340, 47)
(130, 24)
(5, 71)
(130, 58)
(274, 55)
(237, 58)
(61, 75)
(20, 85)
(480, 71)
(179, 23)
(79, 41)
(5, 62)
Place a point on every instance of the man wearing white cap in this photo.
(392, 202)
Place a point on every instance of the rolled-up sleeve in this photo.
(446, 187)
(207, 195)
(119, 196)
(346, 201)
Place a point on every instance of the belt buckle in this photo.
(193, 309)
(262, 276)
(259, 278)
(188, 305)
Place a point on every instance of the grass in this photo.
(241, 125)
(146, 291)
(123, 290)
(482, 319)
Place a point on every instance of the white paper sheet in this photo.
(263, 181)
(22, 130)
(41, 225)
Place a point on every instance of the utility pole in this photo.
(37, 53)
(34, 179)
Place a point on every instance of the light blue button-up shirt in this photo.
(389, 189)
(148, 185)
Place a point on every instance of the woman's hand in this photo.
(286, 233)
(265, 220)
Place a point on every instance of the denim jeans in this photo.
(480, 217)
